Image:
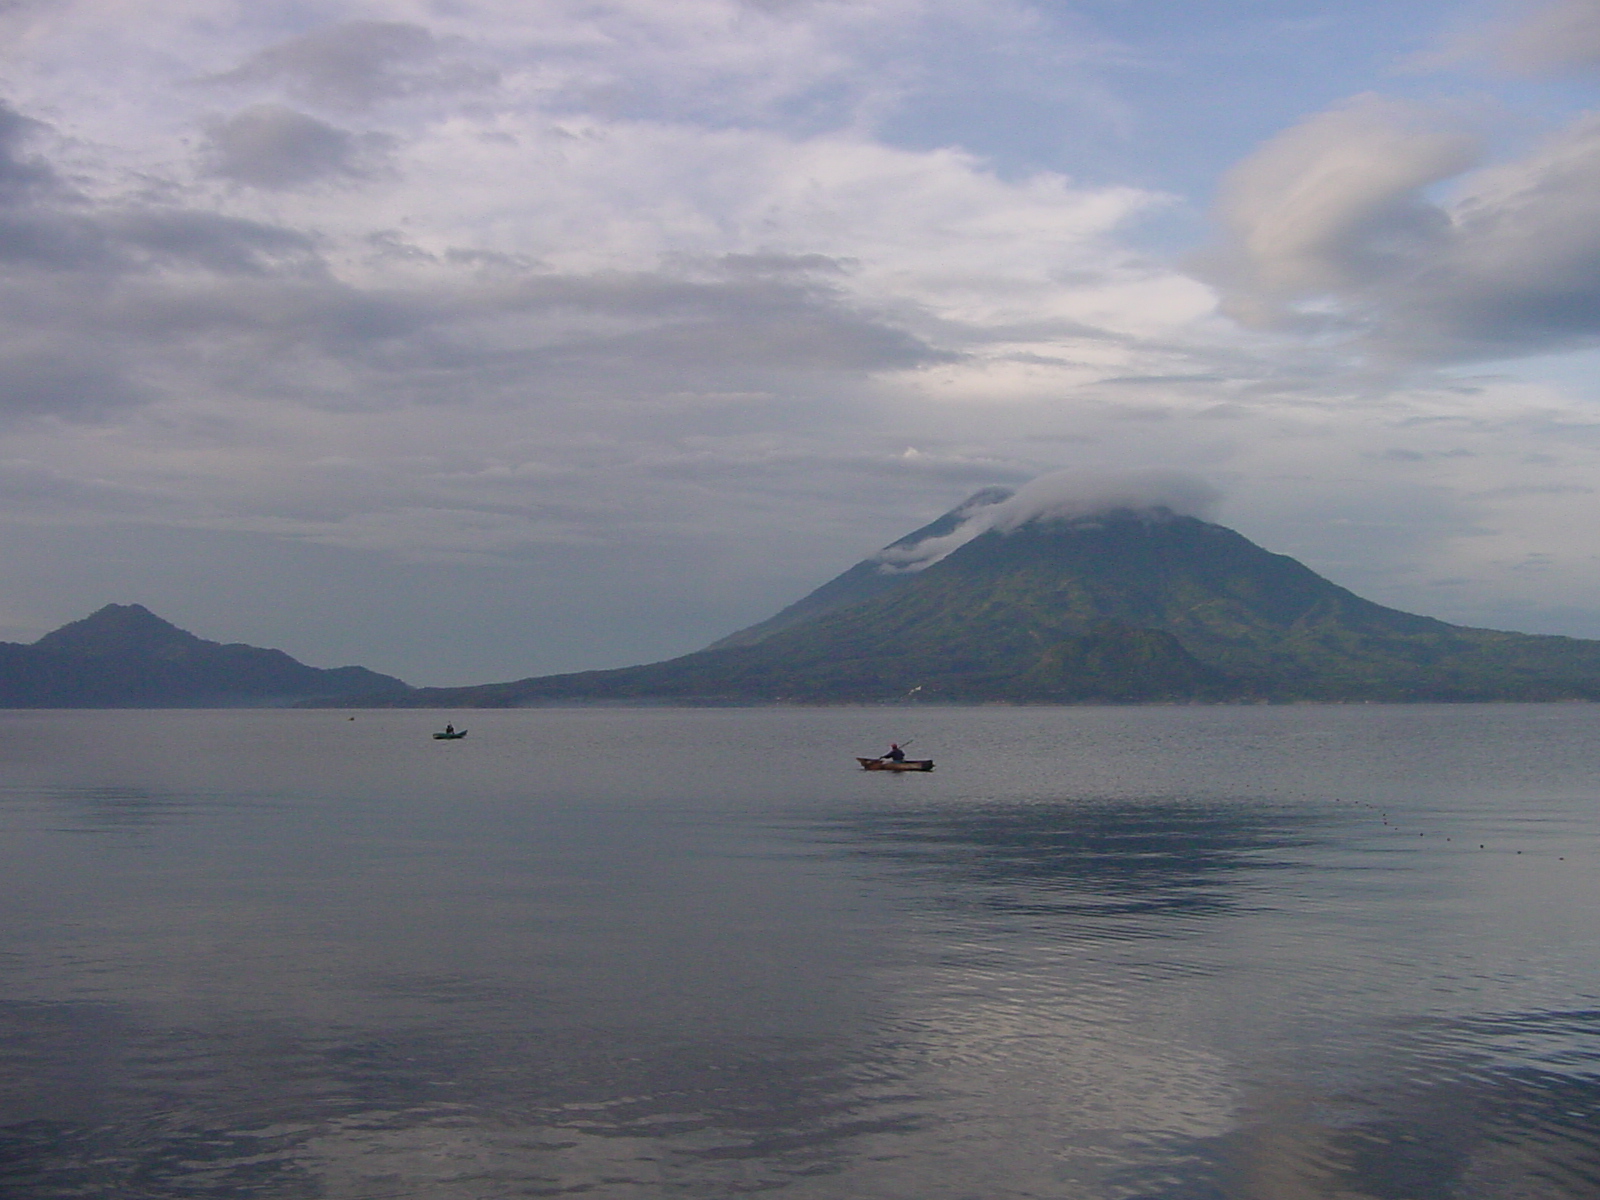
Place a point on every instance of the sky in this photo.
(468, 340)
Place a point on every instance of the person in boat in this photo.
(895, 753)
(449, 728)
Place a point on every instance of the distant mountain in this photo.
(1119, 605)
(124, 656)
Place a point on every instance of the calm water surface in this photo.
(1304, 953)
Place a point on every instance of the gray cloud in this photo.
(21, 176)
(1331, 228)
(356, 64)
(780, 264)
(86, 282)
(226, 245)
(45, 225)
(51, 240)
(70, 381)
(115, 240)
(270, 146)
(737, 324)
(209, 304)
(794, 337)
(1564, 36)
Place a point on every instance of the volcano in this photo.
(1124, 604)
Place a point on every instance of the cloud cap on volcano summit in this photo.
(1069, 495)
(1064, 496)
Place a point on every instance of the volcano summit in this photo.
(1054, 595)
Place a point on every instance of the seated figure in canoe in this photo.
(895, 760)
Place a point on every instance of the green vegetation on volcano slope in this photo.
(1266, 624)
(1120, 607)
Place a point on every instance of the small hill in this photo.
(1118, 605)
(124, 656)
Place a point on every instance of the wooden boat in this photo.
(887, 764)
(450, 735)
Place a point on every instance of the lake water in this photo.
(1297, 953)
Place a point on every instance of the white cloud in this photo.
(1071, 495)
(1061, 496)
(1331, 227)
(1335, 203)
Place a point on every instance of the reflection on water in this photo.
(251, 1111)
(1170, 954)
(1088, 858)
(1446, 1120)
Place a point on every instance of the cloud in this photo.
(270, 146)
(1553, 38)
(664, 324)
(1060, 496)
(213, 242)
(1071, 495)
(505, 259)
(1333, 206)
(170, 300)
(1521, 271)
(85, 282)
(355, 64)
(22, 176)
(1331, 228)
(62, 381)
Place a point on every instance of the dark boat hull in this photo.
(449, 737)
(884, 764)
